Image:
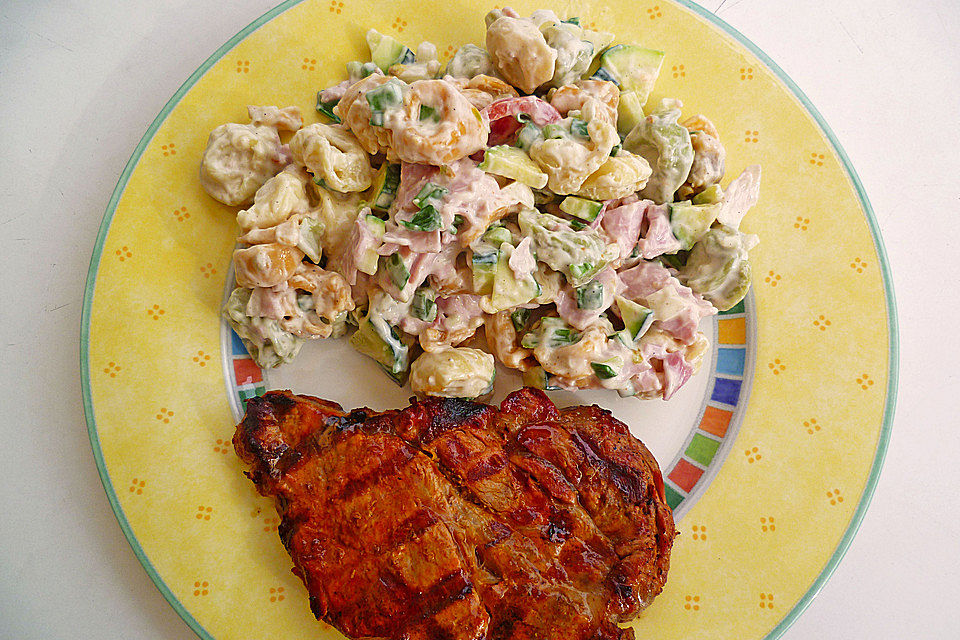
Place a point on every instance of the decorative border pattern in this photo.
(243, 377)
(709, 442)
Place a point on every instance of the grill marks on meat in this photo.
(451, 519)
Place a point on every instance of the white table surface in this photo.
(81, 81)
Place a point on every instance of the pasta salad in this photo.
(524, 190)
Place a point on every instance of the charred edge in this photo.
(262, 453)
(452, 413)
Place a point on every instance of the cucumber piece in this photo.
(553, 331)
(583, 270)
(608, 368)
(629, 112)
(387, 346)
(385, 186)
(511, 162)
(311, 230)
(484, 266)
(674, 260)
(636, 317)
(538, 378)
(711, 195)
(397, 270)
(424, 304)
(633, 68)
(326, 108)
(368, 261)
(358, 71)
(427, 219)
(387, 95)
(590, 295)
(508, 291)
(386, 51)
(690, 221)
(581, 208)
(497, 235)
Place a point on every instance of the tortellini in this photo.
(520, 52)
(454, 372)
(333, 154)
(618, 177)
(277, 200)
(458, 132)
(568, 162)
(708, 157)
(265, 265)
(666, 146)
(238, 159)
(427, 122)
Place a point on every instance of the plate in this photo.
(770, 453)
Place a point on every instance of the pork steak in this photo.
(451, 519)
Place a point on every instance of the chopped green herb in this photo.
(427, 219)
(429, 191)
(326, 108)
(397, 270)
(616, 149)
(603, 370)
(529, 134)
(429, 113)
(579, 129)
(590, 295)
(424, 306)
(520, 317)
(564, 337)
(580, 270)
(552, 131)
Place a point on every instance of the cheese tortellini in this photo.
(618, 177)
(333, 154)
(278, 199)
(238, 159)
(454, 372)
(519, 51)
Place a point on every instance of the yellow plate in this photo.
(766, 515)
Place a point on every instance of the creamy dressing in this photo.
(329, 236)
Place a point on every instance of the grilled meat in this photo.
(457, 520)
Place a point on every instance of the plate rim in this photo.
(893, 353)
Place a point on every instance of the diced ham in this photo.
(658, 237)
(677, 309)
(623, 225)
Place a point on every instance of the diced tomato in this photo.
(502, 115)
(540, 112)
